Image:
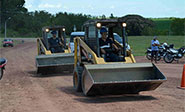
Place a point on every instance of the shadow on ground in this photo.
(115, 98)
(105, 99)
(35, 75)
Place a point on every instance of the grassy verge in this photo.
(139, 44)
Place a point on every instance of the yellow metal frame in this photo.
(93, 57)
(40, 46)
(130, 58)
(68, 50)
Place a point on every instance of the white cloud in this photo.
(28, 6)
(65, 7)
(90, 7)
(112, 7)
(41, 6)
(29, 1)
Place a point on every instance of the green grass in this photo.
(1, 44)
(139, 44)
(162, 23)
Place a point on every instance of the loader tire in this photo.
(77, 77)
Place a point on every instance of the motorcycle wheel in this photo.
(158, 58)
(1, 73)
(148, 56)
(168, 58)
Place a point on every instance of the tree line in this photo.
(21, 22)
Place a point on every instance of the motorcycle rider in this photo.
(154, 46)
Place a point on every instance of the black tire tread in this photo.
(79, 70)
(164, 58)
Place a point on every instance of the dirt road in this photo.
(22, 91)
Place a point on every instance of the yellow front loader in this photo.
(94, 76)
(48, 62)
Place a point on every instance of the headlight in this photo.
(47, 30)
(124, 24)
(98, 25)
(63, 29)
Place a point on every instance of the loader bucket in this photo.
(54, 63)
(111, 79)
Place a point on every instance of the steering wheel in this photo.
(116, 51)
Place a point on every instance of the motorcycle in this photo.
(174, 54)
(3, 62)
(162, 50)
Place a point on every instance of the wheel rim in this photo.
(168, 58)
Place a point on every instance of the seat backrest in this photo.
(91, 39)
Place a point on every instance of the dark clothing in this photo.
(56, 49)
(109, 56)
(54, 45)
(107, 42)
(54, 42)
(154, 55)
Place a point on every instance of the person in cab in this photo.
(106, 47)
(55, 44)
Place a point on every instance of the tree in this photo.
(69, 20)
(178, 26)
(103, 16)
(40, 19)
(136, 24)
(112, 16)
(10, 8)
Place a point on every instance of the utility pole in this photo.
(5, 25)
(74, 28)
(124, 39)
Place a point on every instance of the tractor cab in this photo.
(48, 61)
(114, 27)
(60, 34)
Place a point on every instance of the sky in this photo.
(119, 8)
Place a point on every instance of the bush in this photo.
(178, 26)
